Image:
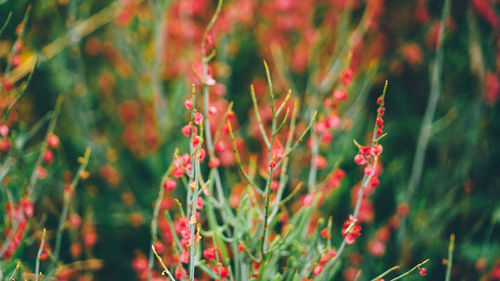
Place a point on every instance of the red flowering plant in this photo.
(265, 230)
(264, 180)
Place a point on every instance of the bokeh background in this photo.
(125, 67)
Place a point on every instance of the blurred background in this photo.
(122, 69)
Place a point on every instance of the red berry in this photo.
(423, 271)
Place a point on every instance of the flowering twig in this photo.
(50, 129)
(283, 175)
(410, 271)
(68, 194)
(364, 182)
(13, 48)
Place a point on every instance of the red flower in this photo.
(179, 272)
(360, 159)
(317, 270)
(188, 104)
(223, 272)
(209, 254)
(423, 271)
(169, 184)
(198, 118)
(53, 141)
(350, 230)
(340, 95)
(241, 248)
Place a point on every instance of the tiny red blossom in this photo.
(340, 95)
(53, 140)
(209, 254)
(4, 130)
(241, 248)
(324, 233)
(360, 159)
(223, 272)
(48, 156)
(214, 162)
(169, 184)
(349, 232)
(324, 259)
(188, 104)
(317, 270)
(198, 118)
(376, 150)
(180, 272)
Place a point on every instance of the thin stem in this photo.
(410, 271)
(240, 165)
(314, 160)
(208, 133)
(284, 166)
(266, 212)
(449, 265)
(40, 250)
(11, 278)
(426, 128)
(165, 269)
(160, 41)
(385, 273)
(6, 22)
(270, 157)
(259, 119)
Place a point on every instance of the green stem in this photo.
(40, 250)
(451, 247)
